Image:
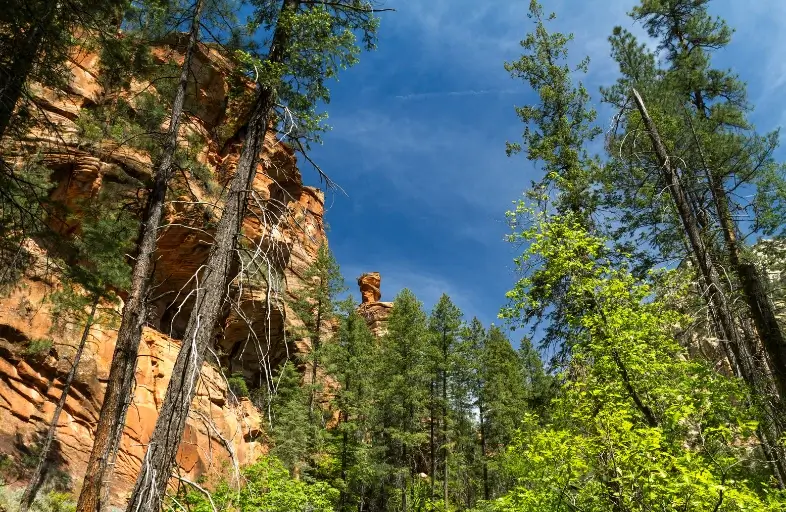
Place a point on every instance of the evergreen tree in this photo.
(472, 374)
(309, 43)
(314, 305)
(558, 129)
(404, 377)
(444, 328)
(540, 386)
(117, 397)
(504, 397)
(350, 357)
(93, 269)
(291, 431)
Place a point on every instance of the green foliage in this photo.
(314, 304)
(24, 191)
(349, 356)
(291, 430)
(323, 40)
(637, 426)
(38, 348)
(238, 386)
(267, 486)
(561, 124)
(52, 501)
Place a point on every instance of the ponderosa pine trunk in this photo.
(481, 416)
(445, 449)
(38, 475)
(754, 291)
(157, 464)
(119, 393)
(12, 80)
(716, 298)
(431, 443)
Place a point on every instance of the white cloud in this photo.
(466, 92)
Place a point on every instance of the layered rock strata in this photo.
(281, 235)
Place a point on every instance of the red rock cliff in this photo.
(284, 229)
(371, 308)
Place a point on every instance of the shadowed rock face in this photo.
(375, 312)
(281, 235)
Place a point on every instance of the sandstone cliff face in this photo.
(371, 308)
(282, 232)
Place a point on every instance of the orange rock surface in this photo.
(283, 231)
(369, 287)
(375, 312)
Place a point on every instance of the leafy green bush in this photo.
(267, 486)
(53, 501)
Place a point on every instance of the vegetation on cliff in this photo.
(633, 255)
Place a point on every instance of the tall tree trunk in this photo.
(150, 487)
(12, 81)
(445, 449)
(715, 295)
(94, 496)
(431, 443)
(481, 412)
(43, 464)
(761, 308)
(404, 483)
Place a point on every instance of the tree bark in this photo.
(94, 496)
(445, 449)
(761, 308)
(486, 493)
(716, 298)
(12, 81)
(38, 475)
(431, 444)
(150, 487)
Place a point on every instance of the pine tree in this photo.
(504, 397)
(444, 327)
(540, 385)
(315, 305)
(472, 348)
(350, 358)
(404, 378)
(291, 431)
(94, 267)
(119, 390)
(310, 42)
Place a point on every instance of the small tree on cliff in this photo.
(94, 268)
(315, 305)
(309, 43)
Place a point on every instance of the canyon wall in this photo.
(281, 235)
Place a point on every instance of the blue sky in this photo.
(419, 131)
